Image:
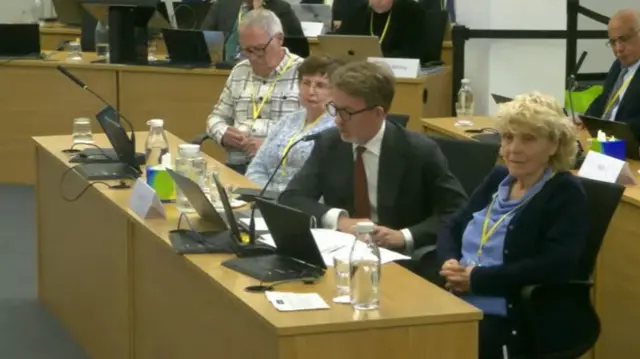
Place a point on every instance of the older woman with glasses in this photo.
(525, 225)
(313, 81)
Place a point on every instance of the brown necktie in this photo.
(361, 202)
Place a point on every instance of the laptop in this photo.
(350, 47)
(296, 254)
(68, 11)
(619, 130)
(104, 155)
(193, 48)
(20, 41)
(127, 167)
(314, 13)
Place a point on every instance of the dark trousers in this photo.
(241, 169)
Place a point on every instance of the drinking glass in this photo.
(341, 268)
(463, 119)
(82, 131)
(75, 51)
(152, 48)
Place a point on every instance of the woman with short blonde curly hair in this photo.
(525, 225)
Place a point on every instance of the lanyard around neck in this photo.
(615, 97)
(384, 30)
(257, 108)
(305, 128)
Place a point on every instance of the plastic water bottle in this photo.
(364, 269)
(157, 144)
(465, 105)
(102, 40)
(191, 164)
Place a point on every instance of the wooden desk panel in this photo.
(37, 100)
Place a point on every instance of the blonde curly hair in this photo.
(542, 116)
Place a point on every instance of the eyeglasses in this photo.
(345, 114)
(622, 39)
(257, 51)
(314, 85)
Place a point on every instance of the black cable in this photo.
(261, 288)
(120, 185)
(72, 149)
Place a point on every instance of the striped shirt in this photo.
(235, 106)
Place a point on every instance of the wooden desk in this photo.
(615, 294)
(116, 284)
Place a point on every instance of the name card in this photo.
(404, 68)
(601, 167)
(145, 202)
(312, 28)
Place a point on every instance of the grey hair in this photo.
(263, 19)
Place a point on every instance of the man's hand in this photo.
(233, 138)
(348, 225)
(388, 238)
(252, 145)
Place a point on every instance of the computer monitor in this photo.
(19, 41)
(69, 12)
(128, 21)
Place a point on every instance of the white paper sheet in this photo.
(287, 301)
(260, 224)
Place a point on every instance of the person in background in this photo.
(259, 90)
(370, 169)
(313, 81)
(340, 9)
(619, 98)
(526, 224)
(225, 15)
(400, 26)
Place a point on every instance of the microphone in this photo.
(252, 219)
(84, 86)
(572, 84)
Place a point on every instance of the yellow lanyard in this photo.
(256, 109)
(486, 231)
(384, 31)
(615, 97)
(304, 129)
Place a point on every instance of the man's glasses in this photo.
(257, 51)
(622, 39)
(345, 114)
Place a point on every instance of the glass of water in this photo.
(341, 268)
(209, 187)
(75, 51)
(463, 119)
(82, 131)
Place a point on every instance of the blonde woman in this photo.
(526, 224)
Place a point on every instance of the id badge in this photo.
(260, 127)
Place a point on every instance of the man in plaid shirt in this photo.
(259, 91)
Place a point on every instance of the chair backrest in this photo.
(602, 201)
(399, 119)
(470, 161)
(436, 26)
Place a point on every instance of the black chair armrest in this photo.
(200, 138)
(559, 319)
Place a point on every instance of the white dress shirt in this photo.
(371, 160)
(632, 71)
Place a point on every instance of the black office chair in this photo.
(400, 119)
(470, 161)
(602, 201)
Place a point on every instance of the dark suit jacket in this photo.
(223, 16)
(544, 244)
(629, 108)
(415, 188)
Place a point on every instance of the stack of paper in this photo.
(287, 301)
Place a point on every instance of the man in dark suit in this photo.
(619, 100)
(368, 168)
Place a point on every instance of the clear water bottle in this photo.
(364, 269)
(37, 12)
(157, 144)
(465, 105)
(191, 164)
(102, 40)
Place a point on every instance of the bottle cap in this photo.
(365, 227)
(189, 148)
(466, 81)
(155, 122)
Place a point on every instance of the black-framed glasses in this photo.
(345, 114)
(257, 51)
(622, 39)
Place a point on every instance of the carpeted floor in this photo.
(28, 331)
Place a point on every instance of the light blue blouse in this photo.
(269, 154)
(493, 249)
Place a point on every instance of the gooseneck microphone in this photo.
(84, 86)
(252, 219)
(572, 84)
